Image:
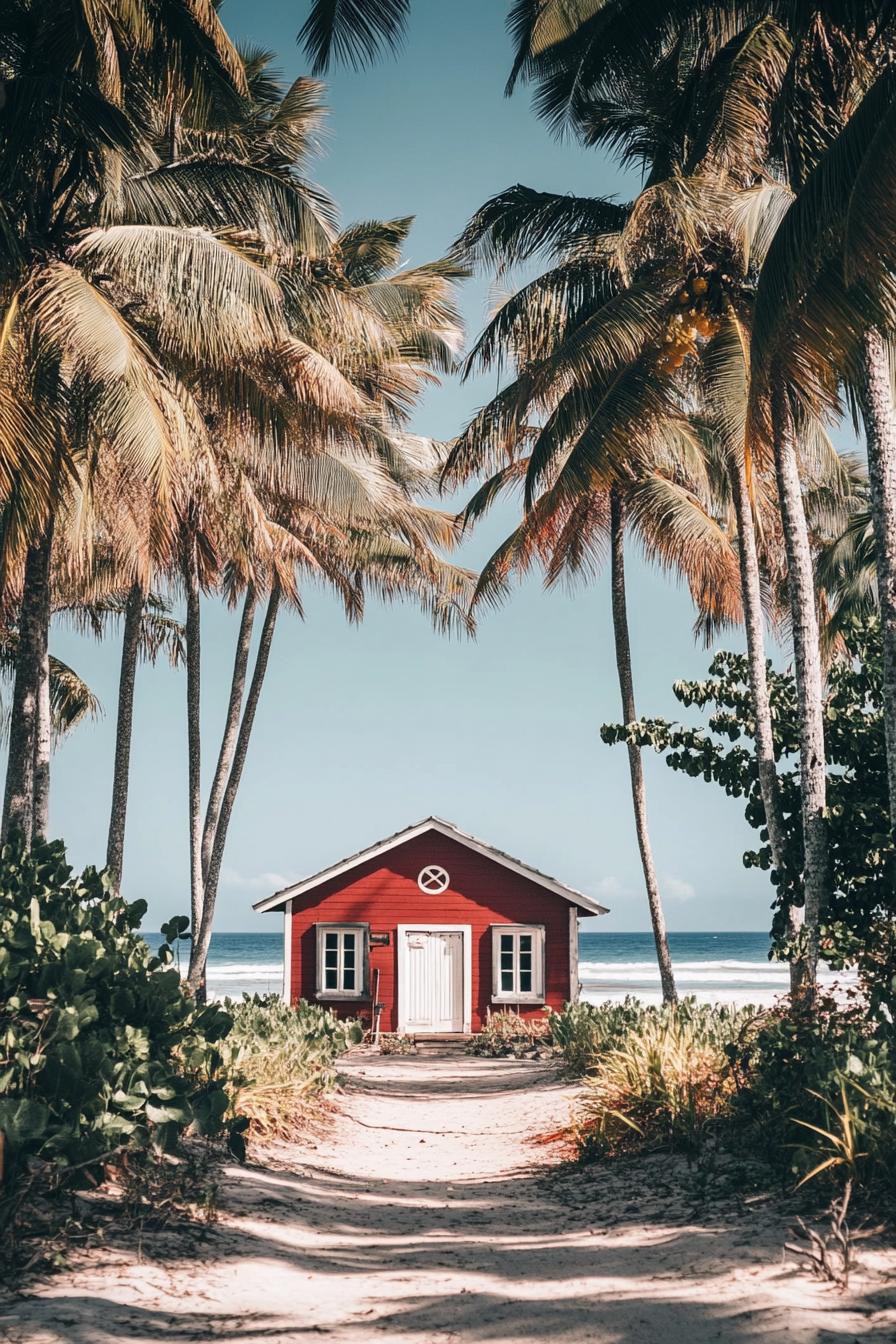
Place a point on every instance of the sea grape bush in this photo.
(100, 1050)
(858, 926)
(796, 1067)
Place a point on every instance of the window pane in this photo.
(349, 941)
(330, 978)
(525, 982)
(348, 978)
(331, 940)
(506, 942)
(348, 958)
(331, 958)
(525, 942)
(507, 982)
(506, 961)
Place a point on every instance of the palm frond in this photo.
(217, 195)
(351, 31)
(208, 301)
(520, 222)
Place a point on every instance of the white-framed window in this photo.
(342, 961)
(518, 963)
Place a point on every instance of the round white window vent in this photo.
(432, 879)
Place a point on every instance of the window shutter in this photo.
(319, 959)
(539, 960)
(496, 959)
(365, 960)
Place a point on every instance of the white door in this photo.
(434, 993)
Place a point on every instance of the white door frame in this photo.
(466, 931)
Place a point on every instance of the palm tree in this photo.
(599, 406)
(839, 276)
(798, 75)
(83, 298)
(148, 630)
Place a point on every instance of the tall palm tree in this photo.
(85, 300)
(302, 460)
(598, 407)
(799, 73)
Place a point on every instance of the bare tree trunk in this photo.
(43, 743)
(635, 764)
(231, 726)
(810, 691)
(880, 437)
(18, 801)
(200, 946)
(763, 734)
(130, 651)
(194, 740)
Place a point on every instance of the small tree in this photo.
(857, 923)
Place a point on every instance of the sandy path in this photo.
(426, 1214)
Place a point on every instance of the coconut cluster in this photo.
(692, 320)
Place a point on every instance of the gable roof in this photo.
(551, 884)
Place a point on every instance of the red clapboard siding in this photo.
(383, 893)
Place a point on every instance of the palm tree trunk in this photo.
(130, 650)
(200, 946)
(194, 747)
(763, 734)
(18, 801)
(635, 764)
(231, 726)
(880, 436)
(810, 690)
(43, 742)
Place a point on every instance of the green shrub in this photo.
(279, 1058)
(506, 1033)
(802, 1089)
(585, 1030)
(101, 1053)
(809, 1067)
(662, 1079)
(396, 1043)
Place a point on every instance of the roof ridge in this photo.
(561, 889)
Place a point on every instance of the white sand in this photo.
(425, 1213)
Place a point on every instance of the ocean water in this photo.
(715, 967)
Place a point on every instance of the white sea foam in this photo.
(727, 980)
(723, 981)
(244, 970)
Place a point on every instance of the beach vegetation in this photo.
(507, 1033)
(396, 1043)
(105, 1062)
(280, 1059)
(664, 1083)
(112, 1075)
(809, 1092)
(856, 922)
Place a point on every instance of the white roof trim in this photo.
(576, 898)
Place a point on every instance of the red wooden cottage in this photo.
(435, 926)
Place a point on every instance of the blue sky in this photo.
(364, 730)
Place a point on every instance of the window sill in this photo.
(348, 996)
(518, 998)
